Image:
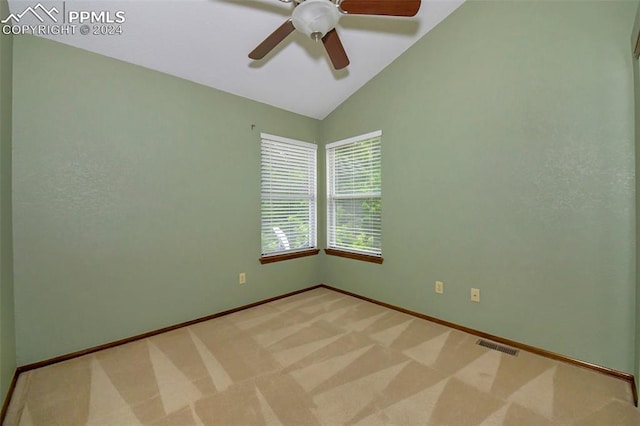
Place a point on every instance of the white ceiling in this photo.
(207, 41)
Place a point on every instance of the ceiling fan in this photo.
(318, 19)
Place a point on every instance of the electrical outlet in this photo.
(242, 278)
(439, 287)
(475, 295)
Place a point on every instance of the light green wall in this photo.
(636, 74)
(136, 200)
(7, 325)
(508, 166)
(636, 81)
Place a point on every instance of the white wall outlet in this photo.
(439, 287)
(242, 278)
(475, 295)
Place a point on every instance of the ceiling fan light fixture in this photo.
(315, 18)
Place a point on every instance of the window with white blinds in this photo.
(354, 194)
(288, 204)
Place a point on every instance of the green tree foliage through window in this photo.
(354, 194)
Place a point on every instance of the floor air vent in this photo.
(497, 347)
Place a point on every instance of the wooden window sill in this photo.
(287, 256)
(356, 256)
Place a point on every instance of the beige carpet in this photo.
(317, 358)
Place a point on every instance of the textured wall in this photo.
(508, 166)
(136, 200)
(636, 81)
(7, 325)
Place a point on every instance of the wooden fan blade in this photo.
(335, 50)
(381, 7)
(273, 40)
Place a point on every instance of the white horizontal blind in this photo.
(288, 207)
(354, 194)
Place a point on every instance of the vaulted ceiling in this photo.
(207, 41)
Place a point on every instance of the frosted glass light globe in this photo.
(315, 18)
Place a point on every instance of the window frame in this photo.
(374, 256)
(302, 148)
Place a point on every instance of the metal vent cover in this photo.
(496, 347)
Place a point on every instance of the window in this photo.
(288, 204)
(354, 198)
